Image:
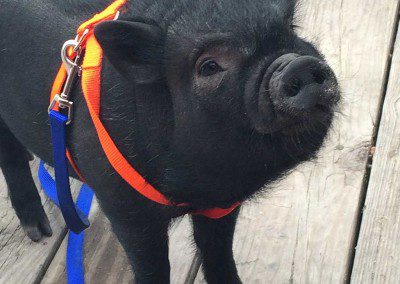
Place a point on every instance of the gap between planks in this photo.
(370, 165)
(377, 259)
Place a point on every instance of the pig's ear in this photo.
(134, 48)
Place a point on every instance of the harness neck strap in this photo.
(91, 86)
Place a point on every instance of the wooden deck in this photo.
(335, 220)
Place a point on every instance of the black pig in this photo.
(209, 100)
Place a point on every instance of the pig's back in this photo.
(32, 33)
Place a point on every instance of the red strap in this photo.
(91, 86)
(217, 213)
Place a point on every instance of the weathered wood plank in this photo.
(182, 253)
(106, 261)
(304, 231)
(377, 255)
(21, 260)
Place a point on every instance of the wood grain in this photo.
(304, 230)
(21, 260)
(377, 255)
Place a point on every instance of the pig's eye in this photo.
(209, 68)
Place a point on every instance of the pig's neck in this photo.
(227, 165)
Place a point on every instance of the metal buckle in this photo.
(73, 68)
(62, 103)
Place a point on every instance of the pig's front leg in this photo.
(14, 162)
(214, 239)
(143, 232)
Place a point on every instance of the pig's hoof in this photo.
(36, 224)
(36, 231)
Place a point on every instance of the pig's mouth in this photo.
(295, 94)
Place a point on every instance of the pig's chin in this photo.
(320, 118)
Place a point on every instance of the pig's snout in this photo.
(298, 84)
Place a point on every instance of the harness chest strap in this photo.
(91, 86)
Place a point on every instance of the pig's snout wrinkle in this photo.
(300, 83)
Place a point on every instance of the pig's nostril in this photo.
(319, 77)
(293, 88)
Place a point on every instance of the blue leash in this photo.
(74, 218)
(75, 273)
(59, 192)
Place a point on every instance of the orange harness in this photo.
(91, 86)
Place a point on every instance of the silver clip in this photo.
(116, 16)
(62, 103)
(72, 66)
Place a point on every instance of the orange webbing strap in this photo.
(91, 85)
(108, 14)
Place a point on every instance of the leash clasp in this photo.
(71, 53)
(62, 103)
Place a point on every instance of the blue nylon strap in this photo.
(75, 272)
(74, 218)
(48, 184)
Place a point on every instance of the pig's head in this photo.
(249, 98)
